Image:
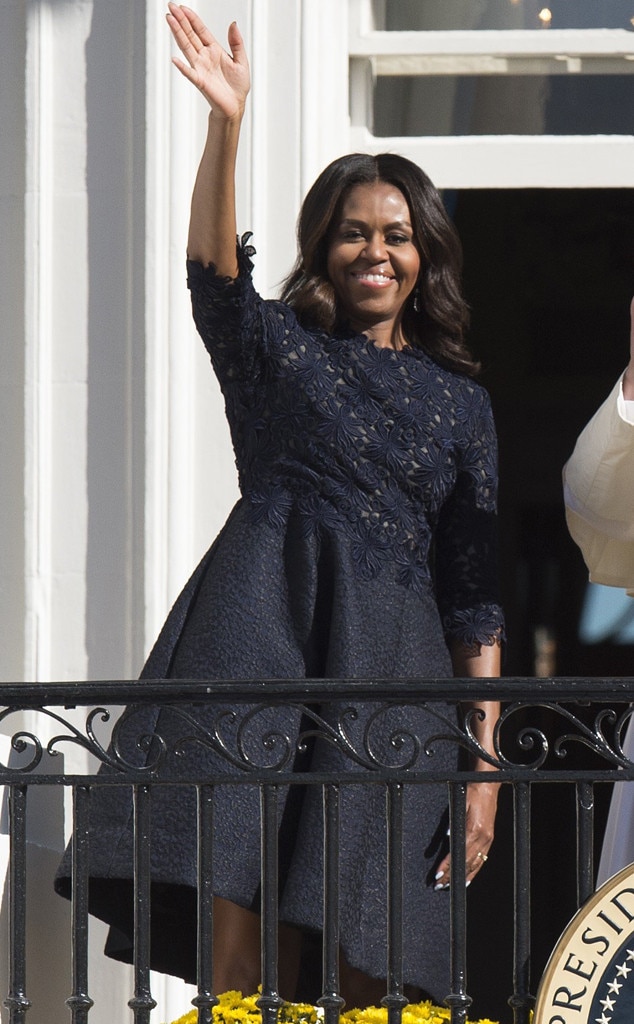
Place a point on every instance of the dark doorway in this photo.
(549, 275)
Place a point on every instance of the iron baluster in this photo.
(585, 841)
(270, 1000)
(142, 1003)
(522, 1001)
(395, 999)
(331, 1000)
(205, 999)
(458, 1000)
(16, 1002)
(79, 1002)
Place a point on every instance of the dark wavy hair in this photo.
(440, 325)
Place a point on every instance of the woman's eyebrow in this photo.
(357, 222)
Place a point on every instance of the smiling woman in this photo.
(363, 546)
(373, 262)
(397, 206)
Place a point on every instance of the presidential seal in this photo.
(589, 978)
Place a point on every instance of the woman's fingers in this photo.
(192, 35)
(236, 45)
(475, 860)
(222, 77)
(188, 40)
(197, 25)
(441, 880)
(480, 822)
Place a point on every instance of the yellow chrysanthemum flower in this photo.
(234, 1008)
(297, 1013)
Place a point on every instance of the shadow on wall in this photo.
(115, 182)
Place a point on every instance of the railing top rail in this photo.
(234, 722)
(168, 691)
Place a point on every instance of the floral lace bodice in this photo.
(387, 447)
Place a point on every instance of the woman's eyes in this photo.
(353, 235)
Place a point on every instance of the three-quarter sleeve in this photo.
(466, 562)
(230, 317)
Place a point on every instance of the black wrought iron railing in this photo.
(543, 722)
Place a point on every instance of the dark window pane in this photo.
(433, 15)
(504, 105)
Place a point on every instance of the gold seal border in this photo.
(566, 970)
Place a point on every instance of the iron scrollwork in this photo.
(604, 735)
(268, 735)
(372, 735)
(26, 742)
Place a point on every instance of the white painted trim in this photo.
(258, 102)
(516, 43)
(496, 64)
(183, 147)
(506, 161)
(38, 339)
(157, 306)
(275, 157)
(325, 122)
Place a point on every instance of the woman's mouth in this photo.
(372, 278)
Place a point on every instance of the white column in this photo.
(81, 336)
(12, 303)
(324, 133)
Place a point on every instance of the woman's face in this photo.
(373, 263)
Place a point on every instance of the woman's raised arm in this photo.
(224, 81)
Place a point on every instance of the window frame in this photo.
(492, 161)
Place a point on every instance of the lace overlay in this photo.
(386, 447)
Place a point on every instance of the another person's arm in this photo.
(599, 485)
(224, 81)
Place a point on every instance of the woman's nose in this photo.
(375, 248)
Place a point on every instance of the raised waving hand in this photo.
(223, 78)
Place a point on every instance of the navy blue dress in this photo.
(363, 541)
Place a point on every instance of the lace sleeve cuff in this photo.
(200, 277)
(476, 627)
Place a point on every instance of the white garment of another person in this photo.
(599, 496)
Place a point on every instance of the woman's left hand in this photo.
(482, 800)
(482, 797)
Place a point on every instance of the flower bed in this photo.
(234, 1008)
